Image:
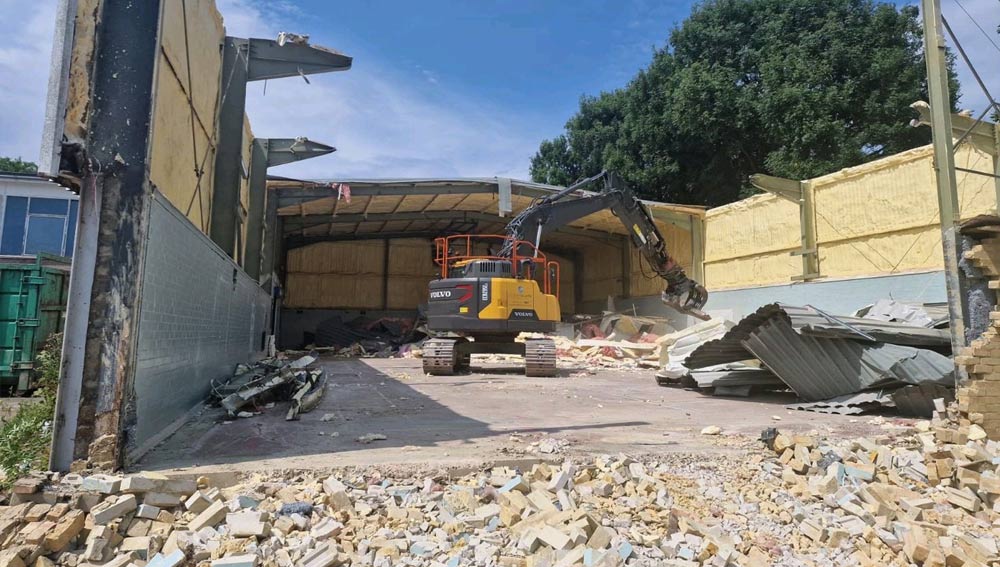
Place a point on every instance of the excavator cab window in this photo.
(526, 269)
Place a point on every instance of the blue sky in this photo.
(438, 88)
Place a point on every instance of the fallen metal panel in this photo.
(736, 377)
(819, 368)
(851, 404)
(808, 321)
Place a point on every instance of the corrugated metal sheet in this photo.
(851, 404)
(736, 377)
(821, 357)
(811, 322)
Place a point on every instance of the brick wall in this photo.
(200, 316)
(979, 397)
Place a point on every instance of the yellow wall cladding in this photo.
(876, 219)
(350, 275)
(176, 153)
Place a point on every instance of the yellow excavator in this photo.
(494, 287)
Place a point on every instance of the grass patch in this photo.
(26, 437)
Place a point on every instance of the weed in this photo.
(25, 438)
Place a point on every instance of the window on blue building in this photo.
(38, 224)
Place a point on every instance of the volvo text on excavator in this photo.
(494, 287)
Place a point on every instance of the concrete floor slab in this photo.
(465, 421)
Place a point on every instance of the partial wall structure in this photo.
(979, 396)
(876, 230)
(142, 115)
(201, 315)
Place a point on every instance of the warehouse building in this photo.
(187, 260)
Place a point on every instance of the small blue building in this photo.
(37, 216)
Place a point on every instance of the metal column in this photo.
(800, 193)
(265, 153)
(255, 217)
(944, 169)
(229, 147)
(99, 348)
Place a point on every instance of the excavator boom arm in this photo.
(555, 211)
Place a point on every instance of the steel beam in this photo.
(270, 59)
(802, 194)
(288, 196)
(982, 134)
(100, 362)
(265, 153)
(936, 57)
(246, 60)
(289, 150)
(298, 223)
(293, 242)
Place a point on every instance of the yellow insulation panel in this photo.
(177, 154)
(337, 275)
(880, 218)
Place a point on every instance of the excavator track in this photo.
(540, 357)
(441, 357)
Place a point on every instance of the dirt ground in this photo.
(493, 415)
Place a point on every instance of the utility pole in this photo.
(944, 170)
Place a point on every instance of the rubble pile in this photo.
(931, 498)
(605, 513)
(926, 495)
(384, 337)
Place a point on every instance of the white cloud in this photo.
(384, 122)
(25, 52)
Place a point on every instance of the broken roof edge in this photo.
(277, 182)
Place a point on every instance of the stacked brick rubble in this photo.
(979, 397)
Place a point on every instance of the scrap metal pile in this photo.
(268, 381)
(834, 364)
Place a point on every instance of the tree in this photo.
(793, 88)
(16, 165)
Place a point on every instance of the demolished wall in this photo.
(979, 397)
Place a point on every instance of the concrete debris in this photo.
(608, 512)
(370, 437)
(257, 386)
(711, 430)
(927, 496)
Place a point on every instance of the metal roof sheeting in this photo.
(820, 356)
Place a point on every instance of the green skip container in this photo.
(33, 296)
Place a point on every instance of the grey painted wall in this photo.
(200, 316)
(838, 297)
